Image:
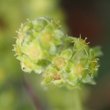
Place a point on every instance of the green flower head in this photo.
(43, 47)
(37, 42)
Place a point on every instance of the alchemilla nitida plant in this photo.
(44, 48)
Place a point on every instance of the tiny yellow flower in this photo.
(34, 51)
(78, 69)
(59, 62)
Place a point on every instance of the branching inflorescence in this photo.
(42, 47)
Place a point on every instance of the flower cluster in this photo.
(62, 60)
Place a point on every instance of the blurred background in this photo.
(22, 91)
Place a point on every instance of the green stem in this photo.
(33, 96)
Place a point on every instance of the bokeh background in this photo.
(22, 91)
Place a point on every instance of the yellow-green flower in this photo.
(43, 47)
